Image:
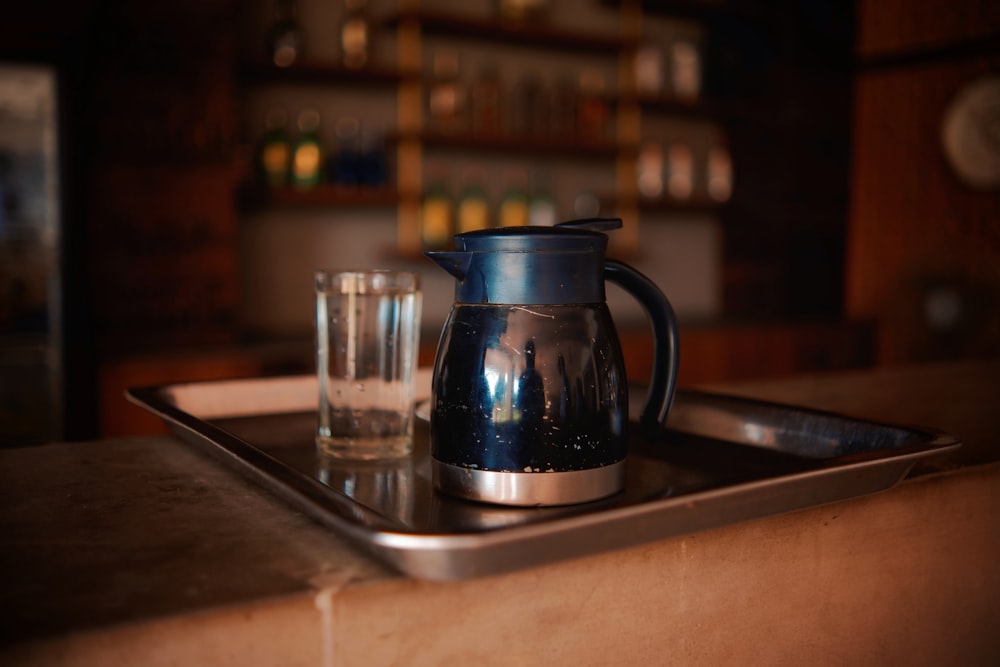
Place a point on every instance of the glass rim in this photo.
(367, 281)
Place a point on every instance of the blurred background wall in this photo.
(779, 167)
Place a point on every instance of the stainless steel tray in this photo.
(721, 460)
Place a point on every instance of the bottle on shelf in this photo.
(487, 103)
(680, 165)
(586, 205)
(649, 69)
(436, 210)
(522, 10)
(285, 42)
(541, 203)
(650, 170)
(529, 108)
(720, 174)
(8, 196)
(344, 165)
(473, 204)
(562, 108)
(274, 155)
(307, 154)
(373, 168)
(593, 111)
(355, 35)
(513, 210)
(686, 71)
(446, 103)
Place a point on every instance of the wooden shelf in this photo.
(257, 195)
(667, 205)
(665, 105)
(320, 74)
(706, 11)
(533, 34)
(542, 146)
(317, 73)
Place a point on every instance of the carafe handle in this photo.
(666, 347)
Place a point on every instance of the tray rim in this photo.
(446, 556)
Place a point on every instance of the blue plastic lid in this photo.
(575, 236)
(563, 264)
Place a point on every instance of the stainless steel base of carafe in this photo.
(529, 489)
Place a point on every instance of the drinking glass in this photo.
(367, 339)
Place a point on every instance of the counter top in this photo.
(143, 551)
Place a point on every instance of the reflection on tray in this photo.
(400, 495)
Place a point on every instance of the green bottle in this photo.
(307, 156)
(274, 156)
(473, 206)
(437, 212)
(514, 203)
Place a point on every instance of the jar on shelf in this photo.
(593, 110)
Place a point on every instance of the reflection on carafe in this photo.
(529, 400)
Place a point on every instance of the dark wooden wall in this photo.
(916, 233)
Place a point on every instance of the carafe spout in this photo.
(454, 262)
